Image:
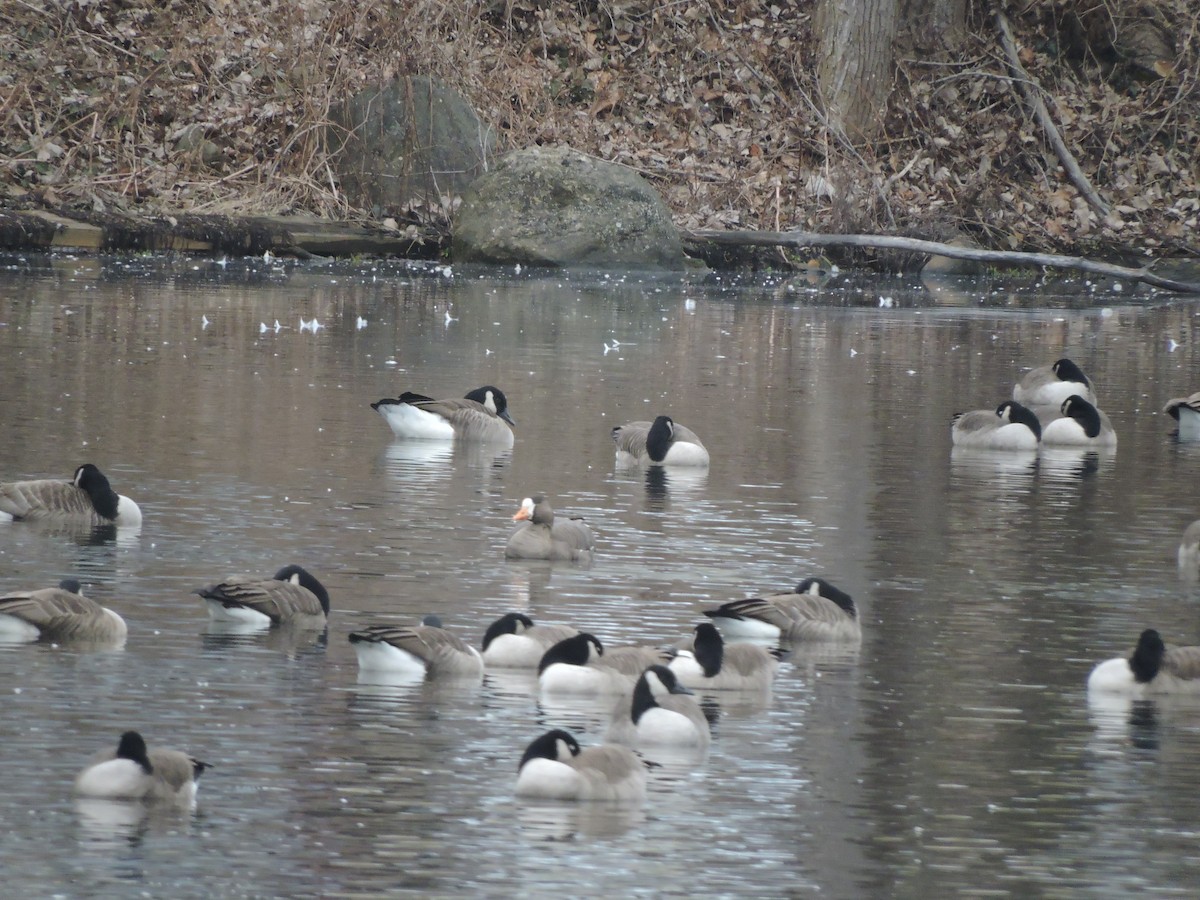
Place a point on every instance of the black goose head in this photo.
(509, 623)
(71, 586)
(95, 484)
(555, 745)
(302, 577)
(1147, 656)
(133, 748)
(823, 588)
(1088, 417)
(709, 649)
(656, 681)
(493, 400)
(1012, 411)
(577, 650)
(1066, 370)
(659, 438)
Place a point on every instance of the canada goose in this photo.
(815, 611)
(480, 416)
(1011, 427)
(1186, 411)
(133, 773)
(714, 665)
(542, 536)
(1051, 385)
(427, 650)
(58, 614)
(291, 596)
(1081, 425)
(87, 499)
(1152, 668)
(514, 642)
(662, 712)
(1189, 548)
(580, 665)
(555, 767)
(661, 442)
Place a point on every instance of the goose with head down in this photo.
(714, 665)
(481, 416)
(541, 535)
(555, 767)
(134, 772)
(815, 611)
(86, 500)
(1152, 668)
(292, 597)
(514, 642)
(1051, 385)
(1186, 413)
(1010, 427)
(581, 665)
(427, 651)
(1080, 425)
(662, 442)
(57, 615)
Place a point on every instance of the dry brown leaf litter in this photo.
(220, 106)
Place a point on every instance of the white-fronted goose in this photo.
(541, 535)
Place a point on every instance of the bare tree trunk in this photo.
(933, 24)
(854, 70)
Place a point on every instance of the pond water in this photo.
(953, 753)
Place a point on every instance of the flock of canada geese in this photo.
(1055, 406)
(651, 689)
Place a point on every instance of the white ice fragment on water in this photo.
(204, 323)
(853, 353)
(360, 323)
(312, 326)
(450, 318)
(887, 302)
(1117, 287)
(689, 304)
(1172, 345)
(262, 328)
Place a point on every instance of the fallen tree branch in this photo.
(1031, 91)
(915, 245)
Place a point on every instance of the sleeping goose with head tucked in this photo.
(514, 642)
(1152, 668)
(427, 651)
(87, 500)
(481, 416)
(1051, 385)
(815, 611)
(57, 615)
(134, 772)
(1010, 427)
(293, 597)
(712, 664)
(662, 442)
(555, 767)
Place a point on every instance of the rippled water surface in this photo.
(954, 753)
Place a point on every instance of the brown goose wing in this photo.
(275, 599)
(443, 652)
(1182, 662)
(44, 498)
(631, 437)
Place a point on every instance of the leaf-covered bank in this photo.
(222, 106)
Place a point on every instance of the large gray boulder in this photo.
(557, 207)
(411, 141)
